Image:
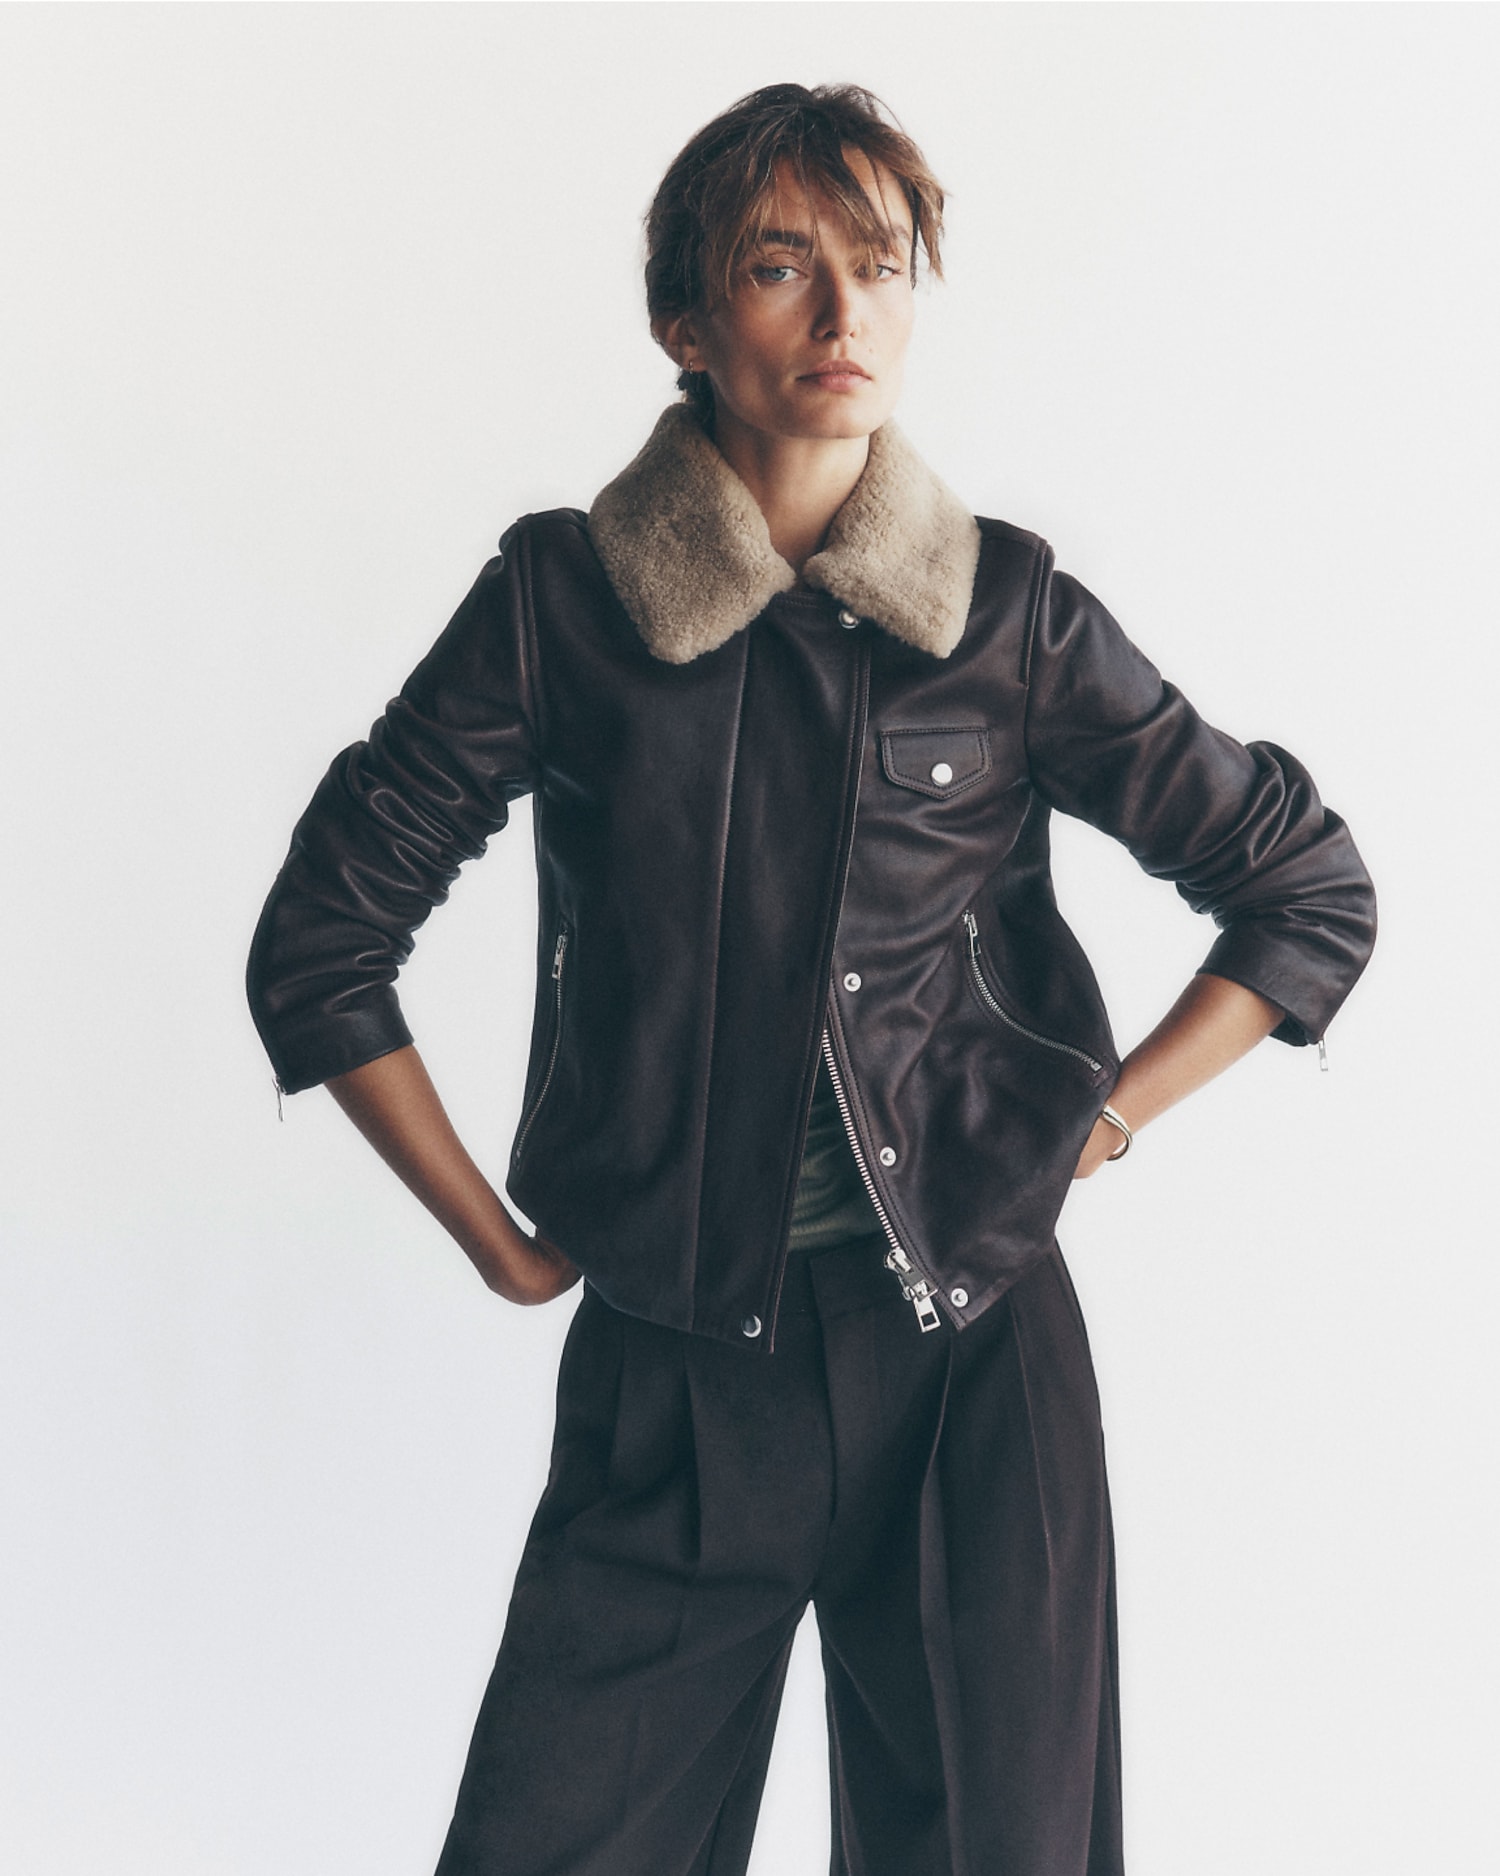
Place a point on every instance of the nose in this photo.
(838, 307)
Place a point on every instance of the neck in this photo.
(799, 483)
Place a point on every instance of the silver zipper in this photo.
(976, 970)
(1322, 1056)
(558, 954)
(914, 1286)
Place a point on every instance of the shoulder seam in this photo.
(528, 627)
(991, 524)
(571, 517)
(1041, 566)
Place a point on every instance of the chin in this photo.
(847, 417)
(852, 425)
(830, 417)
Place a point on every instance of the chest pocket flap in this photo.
(937, 762)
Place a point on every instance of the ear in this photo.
(678, 338)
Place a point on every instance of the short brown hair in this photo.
(714, 199)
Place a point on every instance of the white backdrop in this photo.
(298, 308)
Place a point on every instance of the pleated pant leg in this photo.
(940, 1499)
(968, 1618)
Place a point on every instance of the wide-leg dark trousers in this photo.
(940, 1498)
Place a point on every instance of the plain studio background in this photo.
(300, 307)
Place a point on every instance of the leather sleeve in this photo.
(385, 833)
(1239, 828)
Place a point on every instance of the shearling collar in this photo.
(686, 547)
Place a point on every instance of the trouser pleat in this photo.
(888, 1779)
(940, 1498)
(1029, 1564)
(937, 1633)
(969, 1640)
(627, 1724)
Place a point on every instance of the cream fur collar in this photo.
(686, 548)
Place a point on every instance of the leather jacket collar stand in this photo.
(777, 822)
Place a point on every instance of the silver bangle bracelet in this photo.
(1114, 1120)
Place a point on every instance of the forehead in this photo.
(791, 205)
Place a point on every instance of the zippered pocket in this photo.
(998, 1010)
(559, 958)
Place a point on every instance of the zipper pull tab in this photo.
(1322, 1056)
(557, 955)
(917, 1290)
(276, 1084)
(971, 926)
(927, 1316)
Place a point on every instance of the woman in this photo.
(814, 1059)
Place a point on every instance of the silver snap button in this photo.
(848, 619)
(942, 773)
(888, 1156)
(751, 1326)
(958, 1297)
(852, 980)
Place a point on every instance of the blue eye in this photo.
(771, 274)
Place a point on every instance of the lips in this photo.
(837, 368)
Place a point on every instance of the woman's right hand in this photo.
(394, 1105)
(525, 1268)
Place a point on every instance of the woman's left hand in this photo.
(1213, 1023)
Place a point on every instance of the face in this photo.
(812, 341)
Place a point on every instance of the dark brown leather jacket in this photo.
(774, 825)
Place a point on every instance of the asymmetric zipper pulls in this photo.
(916, 1289)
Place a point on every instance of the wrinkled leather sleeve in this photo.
(385, 833)
(1239, 828)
